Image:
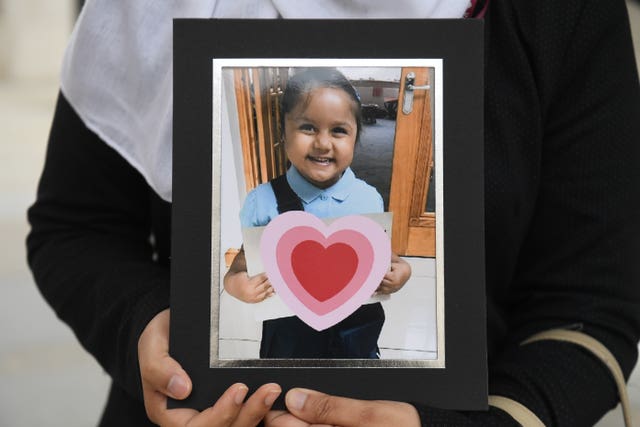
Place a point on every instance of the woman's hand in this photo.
(396, 277)
(309, 408)
(248, 289)
(163, 377)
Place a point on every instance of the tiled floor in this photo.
(47, 378)
(409, 331)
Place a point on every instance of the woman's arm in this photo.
(89, 246)
(91, 254)
(574, 266)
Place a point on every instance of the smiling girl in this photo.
(322, 121)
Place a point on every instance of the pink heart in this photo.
(300, 253)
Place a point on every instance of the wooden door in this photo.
(411, 194)
(411, 200)
(258, 92)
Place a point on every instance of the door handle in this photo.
(409, 88)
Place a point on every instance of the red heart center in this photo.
(323, 272)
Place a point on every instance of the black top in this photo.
(562, 120)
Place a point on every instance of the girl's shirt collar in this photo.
(309, 192)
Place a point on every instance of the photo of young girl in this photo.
(331, 140)
(321, 122)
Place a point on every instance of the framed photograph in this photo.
(327, 226)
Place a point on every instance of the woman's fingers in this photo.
(155, 404)
(283, 419)
(161, 375)
(319, 408)
(231, 410)
(157, 369)
(225, 412)
(257, 406)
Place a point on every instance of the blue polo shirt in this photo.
(348, 196)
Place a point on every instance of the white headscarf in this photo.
(117, 70)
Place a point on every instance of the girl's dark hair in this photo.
(302, 83)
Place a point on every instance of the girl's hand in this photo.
(396, 277)
(311, 408)
(162, 376)
(248, 289)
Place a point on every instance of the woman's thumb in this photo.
(158, 370)
(179, 386)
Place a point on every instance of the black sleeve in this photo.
(577, 267)
(89, 246)
(575, 263)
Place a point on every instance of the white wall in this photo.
(33, 34)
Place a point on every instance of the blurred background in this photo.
(46, 377)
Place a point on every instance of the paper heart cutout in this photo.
(323, 271)
(292, 248)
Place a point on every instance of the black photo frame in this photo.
(460, 382)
